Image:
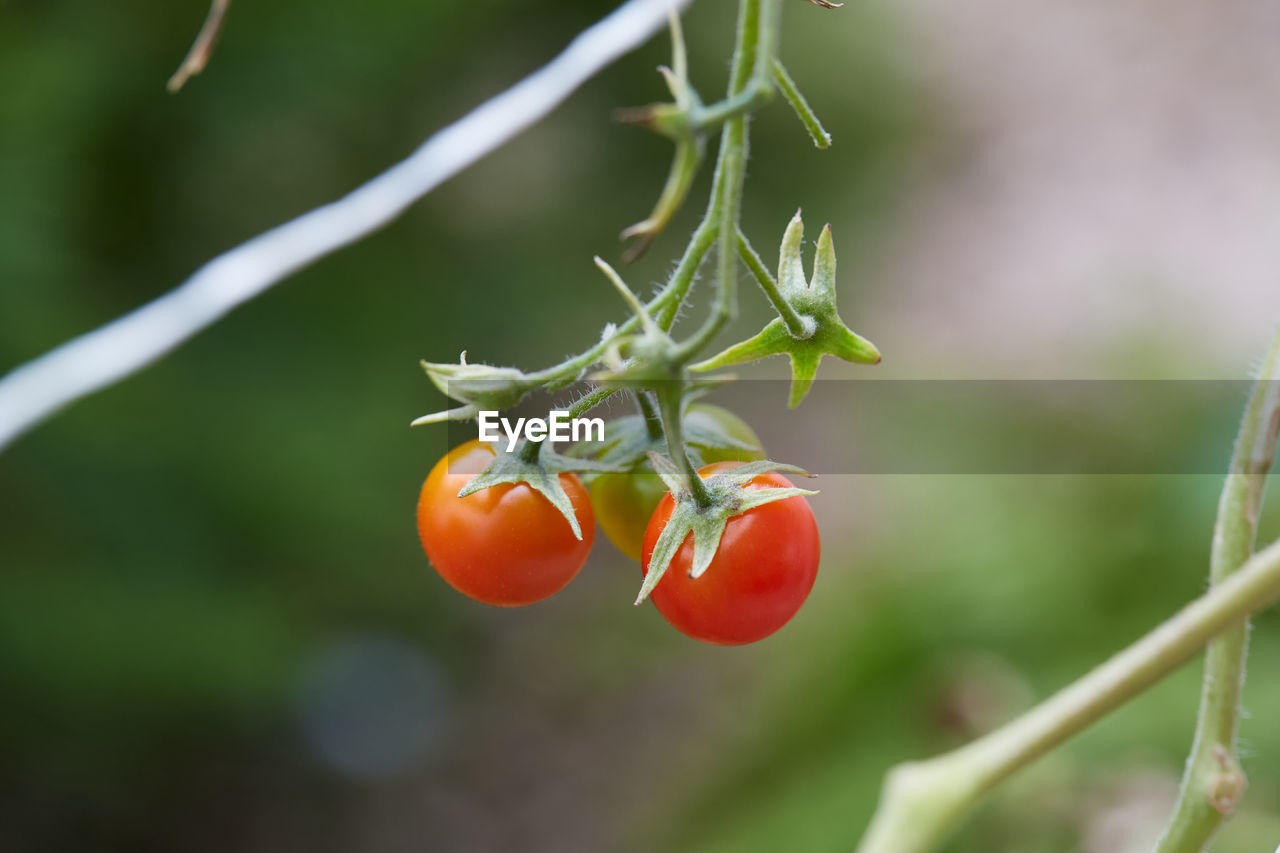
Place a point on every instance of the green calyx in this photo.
(540, 467)
(809, 326)
(726, 496)
(640, 360)
(479, 387)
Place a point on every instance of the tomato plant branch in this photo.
(652, 419)
(1213, 781)
(753, 60)
(758, 22)
(818, 133)
(682, 279)
(924, 801)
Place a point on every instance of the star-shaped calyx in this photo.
(541, 470)
(816, 328)
(727, 496)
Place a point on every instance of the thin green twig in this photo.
(795, 323)
(804, 112)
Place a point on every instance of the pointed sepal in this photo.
(672, 477)
(479, 387)
(814, 301)
(728, 497)
(542, 475)
(791, 277)
(823, 283)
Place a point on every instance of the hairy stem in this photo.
(681, 280)
(795, 322)
(1213, 782)
(590, 400)
(758, 22)
(804, 112)
(751, 81)
(669, 399)
(652, 420)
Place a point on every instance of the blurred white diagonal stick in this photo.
(33, 391)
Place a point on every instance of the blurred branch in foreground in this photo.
(922, 802)
(1213, 781)
(33, 391)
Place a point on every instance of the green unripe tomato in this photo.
(624, 502)
(718, 417)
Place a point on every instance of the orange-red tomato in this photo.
(762, 572)
(505, 545)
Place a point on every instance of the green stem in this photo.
(1213, 781)
(652, 420)
(758, 22)
(669, 399)
(924, 801)
(751, 80)
(570, 370)
(754, 52)
(803, 111)
(530, 451)
(756, 94)
(796, 324)
(682, 278)
(590, 400)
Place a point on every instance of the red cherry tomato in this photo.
(505, 545)
(761, 574)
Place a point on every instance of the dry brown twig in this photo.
(202, 48)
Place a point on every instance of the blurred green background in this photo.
(217, 628)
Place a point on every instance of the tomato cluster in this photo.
(507, 545)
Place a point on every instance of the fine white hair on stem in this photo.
(33, 391)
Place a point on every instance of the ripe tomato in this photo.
(505, 545)
(762, 572)
(624, 502)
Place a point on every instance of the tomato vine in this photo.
(642, 356)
